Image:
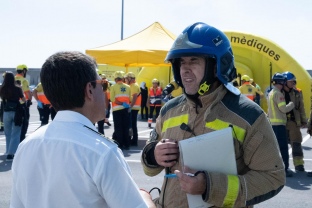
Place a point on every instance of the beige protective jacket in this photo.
(277, 107)
(259, 165)
(297, 98)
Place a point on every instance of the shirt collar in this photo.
(72, 116)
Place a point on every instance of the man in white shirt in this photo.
(67, 163)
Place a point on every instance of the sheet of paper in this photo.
(213, 152)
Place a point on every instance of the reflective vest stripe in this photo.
(238, 132)
(156, 96)
(137, 104)
(174, 122)
(123, 98)
(273, 118)
(250, 96)
(232, 191)
(43, 98)
(281, 104)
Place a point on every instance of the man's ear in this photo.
(88, 90)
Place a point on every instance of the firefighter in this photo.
(20, 76)
(203, 65)
(296, 119)
(277, 110)
(248, 89)
(120, 96)
(154, 98)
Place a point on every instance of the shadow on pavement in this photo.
(299, 181)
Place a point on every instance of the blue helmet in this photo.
(279, 78)
(200, 39)
(289, 76)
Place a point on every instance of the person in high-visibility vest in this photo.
(296, 119)
(259, 94)
(43, 105)
(248, 89)
(135, 105)
(20, 76)
(277, 110)
(120, 96)
(106, 89)
(154, 98)
(105, 85)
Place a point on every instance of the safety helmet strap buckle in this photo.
(203, 88)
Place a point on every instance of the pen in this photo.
(172, 175)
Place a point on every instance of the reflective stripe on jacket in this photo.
(41, 96)
(119, 92)
(155, 98)
(277, 107)
(260, 169)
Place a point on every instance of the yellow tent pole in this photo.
(126, 65)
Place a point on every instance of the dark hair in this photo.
(8, 85)
(64, 76)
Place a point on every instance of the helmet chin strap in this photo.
(209, 76)
(203, 88)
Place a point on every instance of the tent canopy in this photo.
(146, 48)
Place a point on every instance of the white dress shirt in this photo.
(68, 164)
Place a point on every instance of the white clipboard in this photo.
(212, 152)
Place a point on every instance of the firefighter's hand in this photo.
(195, 185)
(309, 131)
(166, 152)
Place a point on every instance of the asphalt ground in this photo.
(296, 193)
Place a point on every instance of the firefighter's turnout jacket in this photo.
(277, 107)
(298, 113)
(260, 168)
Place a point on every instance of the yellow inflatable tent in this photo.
(260, 58)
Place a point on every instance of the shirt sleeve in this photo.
(115, 182)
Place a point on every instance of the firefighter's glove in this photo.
(125, 105)
(309, 131)
(168, 89)
(28, 103)
(39, 104)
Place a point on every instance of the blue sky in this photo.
(32, 30)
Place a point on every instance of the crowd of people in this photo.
(91, 167)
